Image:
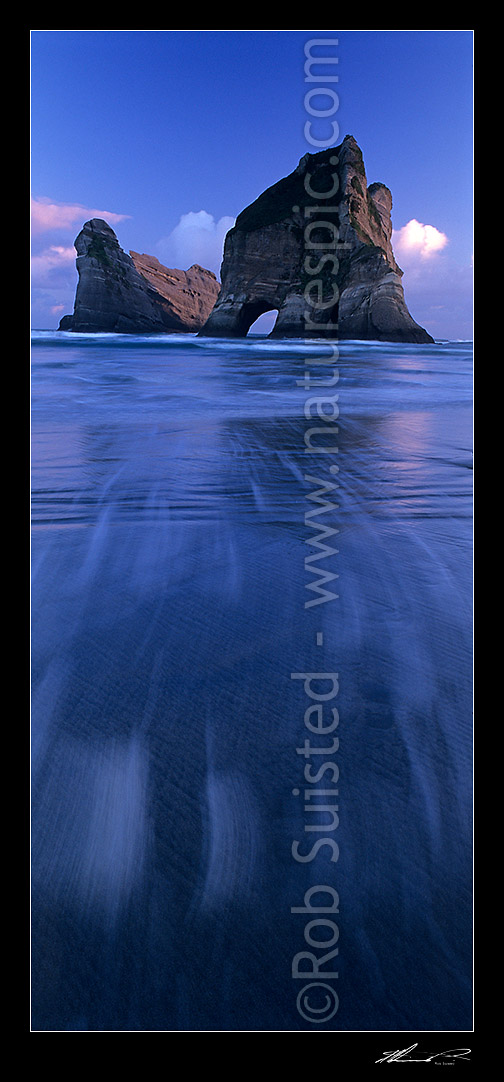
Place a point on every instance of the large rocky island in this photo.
(316, 247)
(134, 293)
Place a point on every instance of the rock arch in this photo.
(360, 294)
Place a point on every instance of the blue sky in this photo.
(169, 134)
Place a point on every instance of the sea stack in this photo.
(317, 247)
(134, 294)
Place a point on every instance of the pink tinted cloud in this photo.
(50, 261)
(47, 216)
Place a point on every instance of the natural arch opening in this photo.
(264, 323)
(251, 312)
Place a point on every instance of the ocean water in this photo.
(191, 553)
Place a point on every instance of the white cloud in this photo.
(416, 240)
(47, 216)
(198, 238)
(438, 289)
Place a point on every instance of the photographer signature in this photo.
(401, 1056)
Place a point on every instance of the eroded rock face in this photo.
(317, 247)
(190, 294)
(134, 293)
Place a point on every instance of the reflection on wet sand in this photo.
(169, 585)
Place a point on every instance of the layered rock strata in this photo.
(134, 293)
(316, 247)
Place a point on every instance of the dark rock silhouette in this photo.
(317, 247)
(134, 293)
